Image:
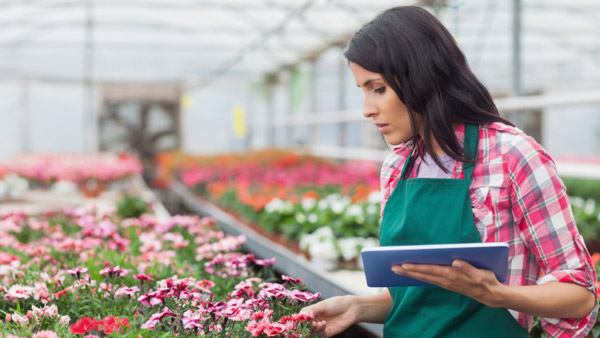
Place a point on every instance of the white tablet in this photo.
(378, 261)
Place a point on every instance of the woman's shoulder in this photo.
(510, 143)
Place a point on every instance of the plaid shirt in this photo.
(518, 198)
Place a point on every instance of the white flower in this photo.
(370, 242)
(275, 205)
(300, 217)
(312, 218)
(350, 247)
(308, 203)
(590, 206)
(305, 241)
(577, 202)
(324, 233)
(371, 209)
(324, 254)
(20, 291)
(355, 211)
(64, 188)
(323, 204)
(374, 197)
(17, 186)
(3, 189)
(338, 207)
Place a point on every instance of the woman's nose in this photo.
(368, 109)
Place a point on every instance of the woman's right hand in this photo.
(333, 315)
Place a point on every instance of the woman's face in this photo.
(381, 103)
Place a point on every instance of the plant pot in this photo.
(91, 188)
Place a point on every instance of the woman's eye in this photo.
(379, 90)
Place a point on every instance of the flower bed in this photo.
(76, 273)
(290, 196)
(90, 173)
(294, 196)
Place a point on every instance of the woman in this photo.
(460, 173)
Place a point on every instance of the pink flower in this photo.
(77, 272)
(291, 280)
(114, 272)
(64, 320)
(192, 319)
(17, 318)
(7, 258)
(45, 334)
(274, 329)
(264, 262)
(125, 291)
(46, 311)
(41, 292)
(257, 327)
(153, 298)
(301, 296)
(157, 317)
(142, 277)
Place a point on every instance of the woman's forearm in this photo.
(550, 300)
(373, 309)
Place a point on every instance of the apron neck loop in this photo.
(471, 144)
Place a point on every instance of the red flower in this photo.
(113, 324)
(142, 277)
(84, 325)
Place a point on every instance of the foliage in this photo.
(131, 207)
(584, 188)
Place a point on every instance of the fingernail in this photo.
(405, 267)
(396, 270)
(457, 264)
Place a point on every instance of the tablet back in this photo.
(378, 261)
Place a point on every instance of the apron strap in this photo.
(471, 143)
(408, 159)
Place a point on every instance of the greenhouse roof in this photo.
(196, 41)
(170, 40)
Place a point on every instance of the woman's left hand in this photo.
(461, 277)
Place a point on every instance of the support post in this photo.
(516, 58)
(24, 116)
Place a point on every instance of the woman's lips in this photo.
(382, 127)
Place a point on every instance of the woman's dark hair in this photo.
(421, 62)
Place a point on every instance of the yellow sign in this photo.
(240, 129)
(186, 101)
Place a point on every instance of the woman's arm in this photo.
(336, 314)
(550, 300)
(373, 309)
(553, 299)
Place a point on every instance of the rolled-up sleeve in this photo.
(542, 212)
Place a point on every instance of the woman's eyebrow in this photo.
(368, 82)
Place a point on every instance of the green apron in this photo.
(438, 211)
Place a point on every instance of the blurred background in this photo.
(218, 76)
(247, 108)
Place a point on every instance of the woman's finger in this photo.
(424, 277)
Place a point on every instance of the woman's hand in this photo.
(549, 300)
(461, 277)
(333, 315)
